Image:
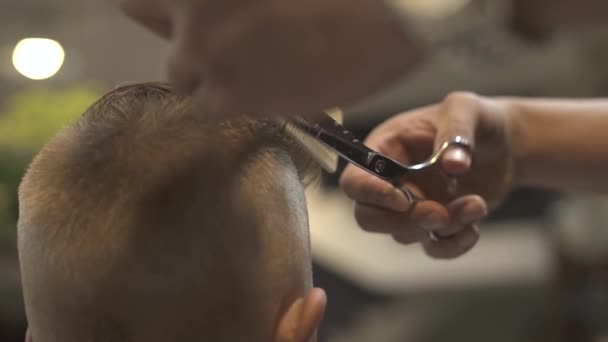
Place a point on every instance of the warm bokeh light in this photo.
(38, 58)
(433, 8)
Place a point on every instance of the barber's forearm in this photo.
(561, 144)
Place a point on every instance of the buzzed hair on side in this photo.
(145, 211)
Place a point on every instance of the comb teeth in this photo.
(323, 155)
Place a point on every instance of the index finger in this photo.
(367, 189)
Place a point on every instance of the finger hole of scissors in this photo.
(412, 198)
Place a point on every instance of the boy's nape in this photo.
(144, 221)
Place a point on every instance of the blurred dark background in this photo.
(536, 276)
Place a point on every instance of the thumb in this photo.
(457, 123)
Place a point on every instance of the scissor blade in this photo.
(349, 147)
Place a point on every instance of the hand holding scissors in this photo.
(458, 158)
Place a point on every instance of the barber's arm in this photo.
(278, 56)
(559, 144)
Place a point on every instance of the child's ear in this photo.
(302, 319)
(28, 336)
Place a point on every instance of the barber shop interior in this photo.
(160, 179)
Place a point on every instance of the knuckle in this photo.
(458, 97)
(388, 141)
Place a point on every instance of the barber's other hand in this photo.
(483, 178)
(277, 56)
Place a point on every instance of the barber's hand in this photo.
(483, 178)
(277, 56)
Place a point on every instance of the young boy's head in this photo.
(145, 221)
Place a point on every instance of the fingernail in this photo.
(432, 222)
(458, 155)
(395, 201)
(456, 161)
(473, 213)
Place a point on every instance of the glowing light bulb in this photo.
(38, 58)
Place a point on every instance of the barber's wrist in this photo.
(523, 141)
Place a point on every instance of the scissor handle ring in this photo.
(411, 198)
(458, 141)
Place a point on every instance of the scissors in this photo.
(336, 137)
